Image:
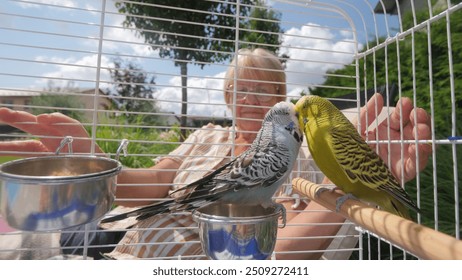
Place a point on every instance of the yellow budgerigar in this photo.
(347, 160)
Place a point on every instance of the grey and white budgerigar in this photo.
(252, 178)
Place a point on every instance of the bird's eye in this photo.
(290, 126)
(305, 120)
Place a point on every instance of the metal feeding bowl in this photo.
(230, 232)
(57, 192)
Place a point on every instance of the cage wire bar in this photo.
(79, 58)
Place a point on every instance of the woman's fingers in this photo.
(60, 125)
(21, 120)
(27, 148)
(50, 128)
(400, 115)
(370, 111)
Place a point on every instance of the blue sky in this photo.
(61, 43)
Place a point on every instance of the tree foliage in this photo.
(59, 99)
(133, 89)
(196, 32)
(261, 29)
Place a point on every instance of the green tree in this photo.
(262, 28)
(133, 89)
(55, 98)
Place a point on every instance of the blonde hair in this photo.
(255, 65)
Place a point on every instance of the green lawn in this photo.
(4, 159)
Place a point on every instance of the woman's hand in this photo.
(415, 125)
(50, 130)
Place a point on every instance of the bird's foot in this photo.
(280, 207)
(323, 189)
(342, 200)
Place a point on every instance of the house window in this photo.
(7, 102)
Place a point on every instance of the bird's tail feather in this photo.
(399, 208)
(143, 212)
(400, 200)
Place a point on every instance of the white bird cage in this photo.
(342, 49)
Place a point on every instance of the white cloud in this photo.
(205, 96)
(78, 70)
(313, 50)
(121, 40)
(64, 3)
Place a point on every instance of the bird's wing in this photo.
(261, 167)
(202, 187)
(254, 168)
(197, 196)
(361, 163)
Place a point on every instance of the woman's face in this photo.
(253, 100)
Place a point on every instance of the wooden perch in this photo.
(419, 240)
